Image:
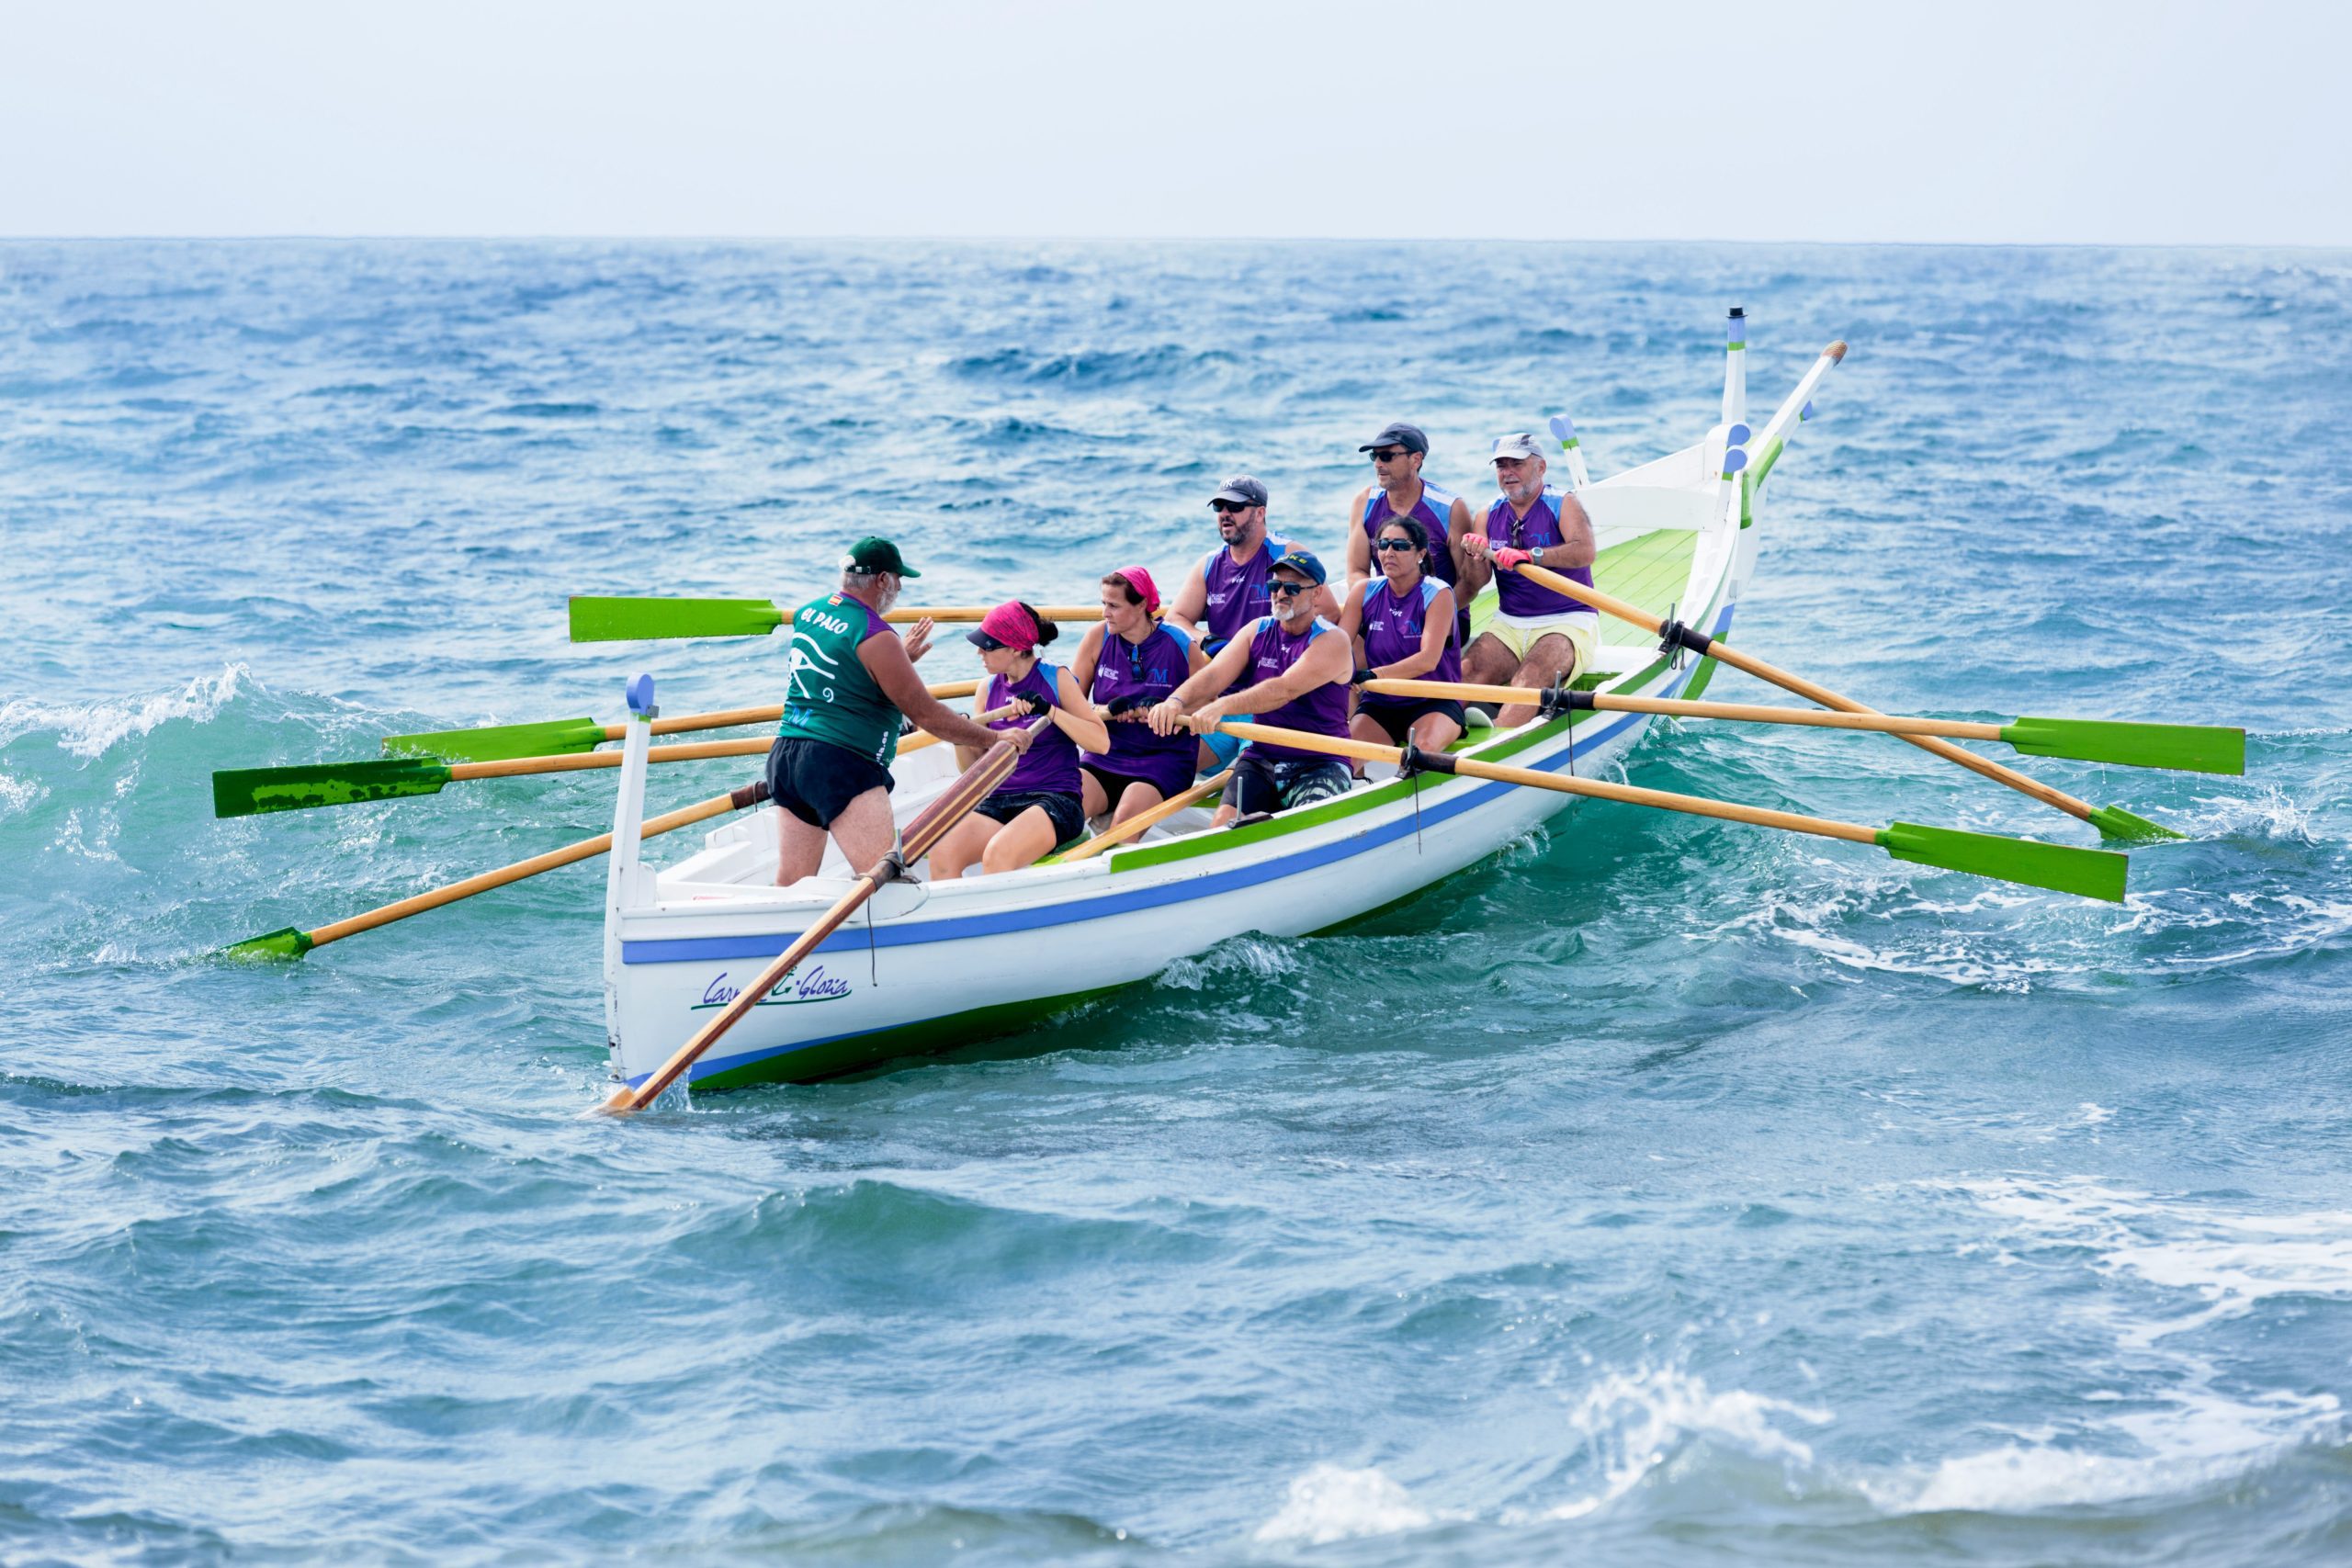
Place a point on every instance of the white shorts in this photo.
(1519, 633)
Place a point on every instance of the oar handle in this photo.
(1143, 821)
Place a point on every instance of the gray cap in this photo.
(1517, 444)
(1408, 436)
(1240, 490)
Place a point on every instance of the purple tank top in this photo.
(1432, 513)
(1050, 765)
(1517, 595)
(1146, 670)
(1391, 631)
(1237, 592)
(1323, 710)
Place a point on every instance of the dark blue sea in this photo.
(1659, 1192)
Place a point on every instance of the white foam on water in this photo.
(1246, 956)
(88, 729)
(1330, 1503)
(17, 795)
(2093, 1115)
(1633, 1422)
(2181, 1432)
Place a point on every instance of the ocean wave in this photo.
(89, 730)
(1632, 1423)
(1330, 1503)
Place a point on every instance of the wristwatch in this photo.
(1536, 555)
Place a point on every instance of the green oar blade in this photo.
(243, 792)
(288, 944)
(2114, 822)
(626, 620)
(498, 742)
(2094, 873)
(2195, 748)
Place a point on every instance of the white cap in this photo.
(1520, 445)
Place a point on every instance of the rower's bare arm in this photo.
(1359, 545)
(1167, 715)
(1089, 656)
(917, 638)
(1477, 569)
(1458, 527)
(1328, 661)
(1576, 545)
(1076, 717)
(1350, 619)
(1326, 604)
(885, 657)
(1191, 602)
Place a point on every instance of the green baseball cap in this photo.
(873, 554)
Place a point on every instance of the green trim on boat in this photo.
(1699, 677)
(626, 620)
(1771, 456)
(2194, 748)
(501, 742)
(2114, 822)
(2062, 868)
(861, 1050)
(287, 943)
(244, 792)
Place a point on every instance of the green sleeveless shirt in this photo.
(833, 697)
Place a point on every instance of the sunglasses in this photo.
(1388, 454)
(1222, 507)
(1396, 545)
(1287, 590)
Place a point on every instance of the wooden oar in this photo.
(1142, 822)
(2094, 873)
(293, 942)
(915, 840)
(246, 792)
(628, 620)
(2197, 748)
(494, 743)
(2112, 821)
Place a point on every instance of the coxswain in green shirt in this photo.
(853, 685)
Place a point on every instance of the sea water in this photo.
(1657, 1190)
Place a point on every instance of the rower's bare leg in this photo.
(1552, 658)
(1134, 801)
(1486, 662)
(1363, 727)
(865, 832)
(1092, 800)
(1024, 841)
(961, 849)
(1206, 760)
(1435, 732)
(801, 848)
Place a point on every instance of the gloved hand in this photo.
(1510, 558)
(1032, 704)
(1359, 678)
(1127, 705)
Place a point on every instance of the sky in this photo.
(2060, 121)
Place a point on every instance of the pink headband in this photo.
(1140, 580)
(1011, 625)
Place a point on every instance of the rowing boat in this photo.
(928, 967)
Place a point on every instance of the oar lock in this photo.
(1560, 698)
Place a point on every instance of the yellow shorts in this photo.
(1519, 633)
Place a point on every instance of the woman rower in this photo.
(1402, 621)
(1124, 665)
(1036, 807)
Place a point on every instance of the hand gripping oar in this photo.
(915, 840)
(293, 942)
(2094, 873)
(2112, 821)
(1142, 822)
(246, 792)
(498, 742)
(2204, 749)
(626, 620)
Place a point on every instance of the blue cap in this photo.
(1301, 561)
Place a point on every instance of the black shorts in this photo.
(1399, 719)
(1276, 784)
(816, 780)
(1067, 815)
(1172, 782)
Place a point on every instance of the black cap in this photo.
(1408, 436)
(1240, 490)
(871, 554)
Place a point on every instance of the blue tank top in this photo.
(1237, 590)
(1148, 671)
(1321, 710)
(1050, 765)
(1516, 594)
(1391, 631)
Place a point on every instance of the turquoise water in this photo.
(1659, 1192)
